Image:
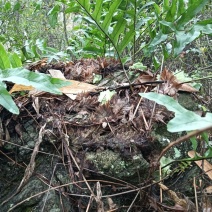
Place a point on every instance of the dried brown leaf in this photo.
(172, 84)
(208, 190)
(203, 164)
(111, 203)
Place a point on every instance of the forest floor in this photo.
(96, 147)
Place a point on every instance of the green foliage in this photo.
(29, 20)
(4, 59)
(165, 162)
(39, 49)
(53, 15)
(11, 70)
(128, 28)
(6, 100)
(114, 28)
(85, 41)
(167, 27)
(176, 26)
(139, 66)
(184, 119)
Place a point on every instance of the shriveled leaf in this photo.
(18, 87)
(39, 81)
(203, 164)
(75, 87)
(6, 100)
(208, 190)
(174, 81)
(184, 119)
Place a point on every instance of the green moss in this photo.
(111, 163)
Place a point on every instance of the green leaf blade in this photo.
(127, 38)
(171, 14)
(85, 4)
(39, 81)
(184, 119)
(192, 10)
(97, 11)
(6, 100)
(15, 60)
(4, 59)
(183, 38)
(118, 29)
(107, 21)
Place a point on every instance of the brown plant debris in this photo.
(82, 125)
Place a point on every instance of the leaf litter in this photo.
(123, 123)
